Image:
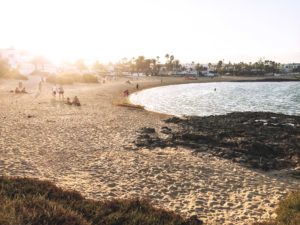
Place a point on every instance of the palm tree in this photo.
(219, 66)
(167, 56)
(140, 63)
(199, 68)
(175, 65)
(209, 65)
(157, 59)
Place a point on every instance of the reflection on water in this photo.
(221, 98)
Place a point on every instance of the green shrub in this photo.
(29, 201)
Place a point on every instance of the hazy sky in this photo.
(199, 30)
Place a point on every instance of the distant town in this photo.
(23, 63)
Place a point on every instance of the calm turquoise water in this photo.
(203, 100)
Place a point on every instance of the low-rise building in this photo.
(289, 68)
(18, 59)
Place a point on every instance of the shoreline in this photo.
(128, 103)
(91, 149)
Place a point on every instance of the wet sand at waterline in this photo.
(90, 149)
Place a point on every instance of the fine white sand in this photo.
(89, 149)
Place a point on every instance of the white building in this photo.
(189, 66)
(288, 68)
(17, 59)
(207, 73)
(26, 68)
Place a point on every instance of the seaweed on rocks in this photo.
(261, 140)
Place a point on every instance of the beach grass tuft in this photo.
(30, 201)
(288, 211)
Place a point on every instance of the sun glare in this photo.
(109, 30)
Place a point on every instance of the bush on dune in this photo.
(29, 201)
(71, 78)
(15, 74)
(288, 211)
(40, 73)
(6, 72)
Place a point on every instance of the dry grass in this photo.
(13, 74)
(288, 211)
(29, 201)
(71, 78)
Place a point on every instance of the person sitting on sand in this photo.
(76, 101)
(68, 101)
(24, 90)
(126, 93)
(17, 90)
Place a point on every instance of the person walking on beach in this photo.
(61, 92)
(137, 86)
(54, 90)
(40, 86)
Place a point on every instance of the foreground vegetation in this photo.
(70, 78)
(29, 201)
(288, 211)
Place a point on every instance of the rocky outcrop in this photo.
(256, 139)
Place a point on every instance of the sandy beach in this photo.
(90, 149)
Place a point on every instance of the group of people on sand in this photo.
(59, 90)
(20, 89)
(126, 92)
(75, 101)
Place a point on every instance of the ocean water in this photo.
(221, 98)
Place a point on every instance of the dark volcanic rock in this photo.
(256, 139)
(193, 220)
(148, 130)
(166, 130)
